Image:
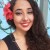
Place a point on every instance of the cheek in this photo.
(17, 18)
(31, 18)
(16, 21)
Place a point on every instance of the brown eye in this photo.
(18, 13)
(30, 12)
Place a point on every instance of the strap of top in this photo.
(9, 40)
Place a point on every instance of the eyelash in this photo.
(30, 12)
(18, 13)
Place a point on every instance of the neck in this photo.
(19, 34)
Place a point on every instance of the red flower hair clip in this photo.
(7, 12)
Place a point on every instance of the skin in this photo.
(23, 16)
(23, 19)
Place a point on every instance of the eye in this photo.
(30, 12)
(18, 13)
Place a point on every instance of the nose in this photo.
(25, 17)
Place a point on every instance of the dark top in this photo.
(10, 42)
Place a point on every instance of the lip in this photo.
(25, 24)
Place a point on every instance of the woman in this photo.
(30, 32)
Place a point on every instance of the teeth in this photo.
(25, 24)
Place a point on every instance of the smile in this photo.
(25, 24)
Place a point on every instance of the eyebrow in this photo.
(21, 9)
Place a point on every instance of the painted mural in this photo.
(6, 29)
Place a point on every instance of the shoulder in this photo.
(3, 45)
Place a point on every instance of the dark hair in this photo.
(37, 37)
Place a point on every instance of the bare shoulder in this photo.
(3, 45)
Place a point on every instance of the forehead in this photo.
(22, 4)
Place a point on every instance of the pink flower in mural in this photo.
(7, 12)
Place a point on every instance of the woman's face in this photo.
(23, 15)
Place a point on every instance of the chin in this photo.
(26, 29)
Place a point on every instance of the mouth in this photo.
(25, 24)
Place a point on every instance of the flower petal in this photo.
(7, 12)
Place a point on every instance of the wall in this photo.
(5, 29)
